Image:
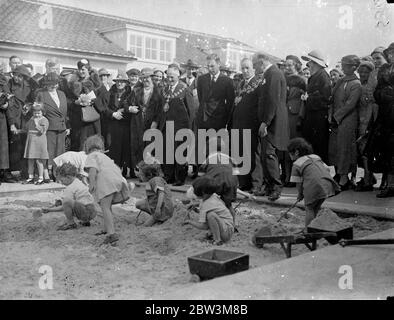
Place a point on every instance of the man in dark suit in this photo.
(216, 96)
(273, 118)
(245, 117)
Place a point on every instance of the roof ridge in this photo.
(145, 23)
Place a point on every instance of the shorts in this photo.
(84, 212)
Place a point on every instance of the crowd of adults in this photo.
(347, 114)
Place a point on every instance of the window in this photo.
(235, 57)
(136, 45)
(151, 48)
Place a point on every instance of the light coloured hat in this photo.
(317, 57)
(146, 72)
(122, 76)
(103, 72)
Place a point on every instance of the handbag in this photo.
(89, 114)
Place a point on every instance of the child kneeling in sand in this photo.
(77, 200)
(312, 176)
(158, 202)
(214, 215)
(77, 159)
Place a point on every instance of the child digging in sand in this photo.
(158, 201)
(312, 176)
(106, 184)
(77, 201)
(214, 214)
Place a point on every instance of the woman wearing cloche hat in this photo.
(344, 121)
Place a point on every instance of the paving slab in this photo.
(354, 272)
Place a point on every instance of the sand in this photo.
(147, 261)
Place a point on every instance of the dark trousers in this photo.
(270, 165)
(119, 150)
(174, 172)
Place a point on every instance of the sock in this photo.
(31, 176)
(40, 178)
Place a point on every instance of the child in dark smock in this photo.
(158, 201)
(312, 176)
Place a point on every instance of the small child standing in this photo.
(36, 151)
(312, 176)
(77, 201)
(158, 202)
(106, 183)
(214, 214)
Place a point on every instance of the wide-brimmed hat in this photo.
(389, 49)
(317, 57)
(351, 60)
(133, 72)
(22, 70)
(190, 65)
(122, 76)
(146, 72)
(50, 79)
(103, 72)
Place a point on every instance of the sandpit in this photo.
(147, 261)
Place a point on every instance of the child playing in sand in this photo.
(158, 201)
(36, 151)
(214, 214)
(77, 159)
(219, 166)
(314, 182)
(106, 183)
(77, 201)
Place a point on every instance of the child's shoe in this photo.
(67, 226)
(29, 181)
(111, 239)
(39, 182)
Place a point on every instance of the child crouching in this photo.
(158, 202)
(214, 215)
(77, 201)
(312, 177)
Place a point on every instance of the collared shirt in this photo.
(267, 67)
(215, 77)
(173, 87)
(189, 81)
(55, 97)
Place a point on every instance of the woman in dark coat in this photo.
(4, 157)
(315, 115)
(119, 123)
(55, 110)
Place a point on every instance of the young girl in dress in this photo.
(158, 201)
(214, 214)
(36, 151)
(312, 176)
(106, 183)
(220, 167)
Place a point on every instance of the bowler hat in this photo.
(190, 65)
(122, 76)
(317, 57)
(133, 71)
(22, 70)
(389, 49)
(146, 72)
(351, 60)
(50, 79)
(103, 72)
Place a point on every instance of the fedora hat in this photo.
(22, 70)
(315, 56)
(146, 72)
(103, 72)
(190, 65)
(50, 79)
(122, 76)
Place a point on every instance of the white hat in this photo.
(315, 56)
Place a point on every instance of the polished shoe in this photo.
(386, 193)
(289, 185)
(178, 184)
(29, 181)
(39, 182)
(274, 195)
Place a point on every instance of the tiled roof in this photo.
(76, 31)
(79, 30)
